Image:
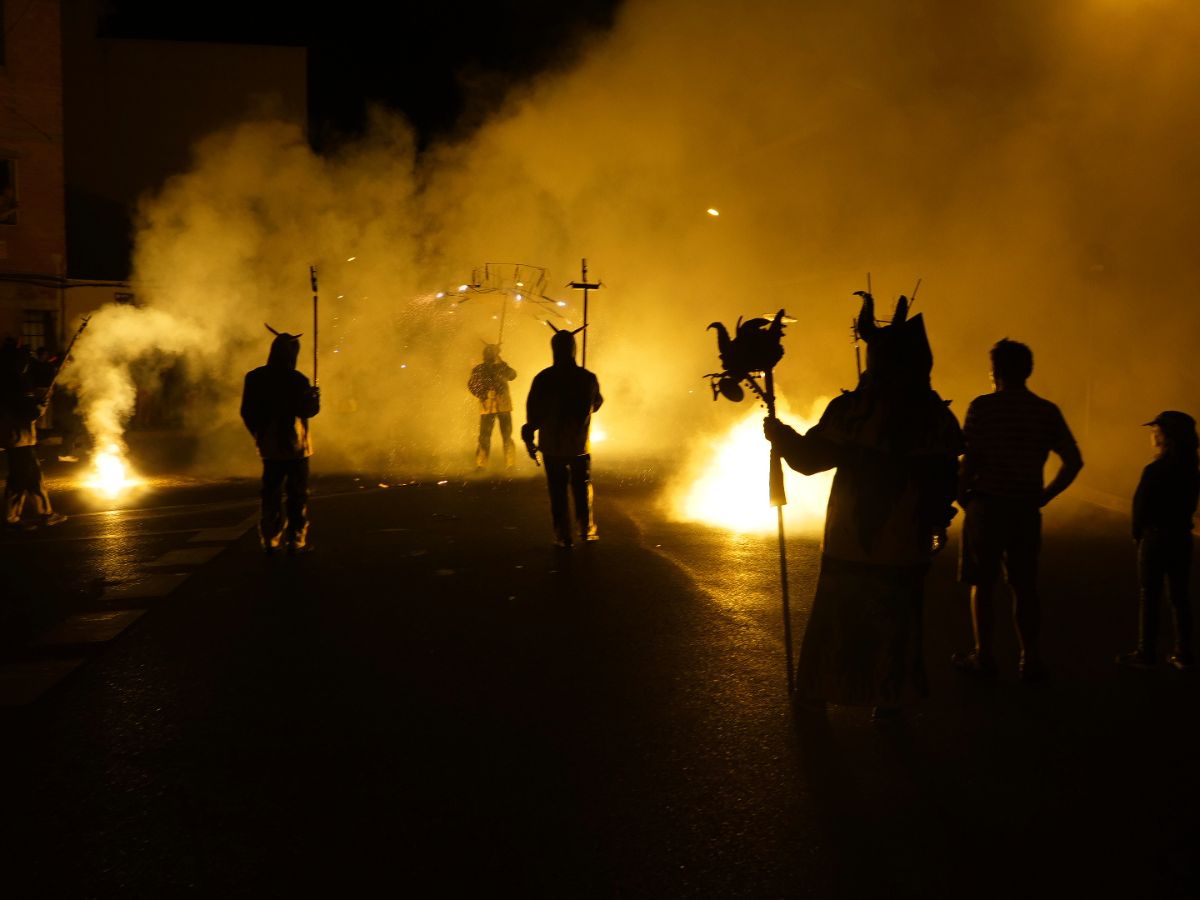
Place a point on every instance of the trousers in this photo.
(573, 474)
(1164, 557)
(284, 502)
(24, 483)
(486, 423)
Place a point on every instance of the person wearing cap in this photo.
(1164, 505)
(1007, 436)
(277, 402)
(558, 419)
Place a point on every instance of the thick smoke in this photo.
(1031, 162)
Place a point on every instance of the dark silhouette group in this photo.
(901, 463)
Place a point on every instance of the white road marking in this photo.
(91, 628)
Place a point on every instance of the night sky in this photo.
(443, 64)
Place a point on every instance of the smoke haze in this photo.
(1031, 162)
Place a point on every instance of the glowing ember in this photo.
(728, 482)
(111, 474)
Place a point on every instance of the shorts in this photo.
(1000, 532)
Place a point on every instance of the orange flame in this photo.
(111, 474)
(727, 482)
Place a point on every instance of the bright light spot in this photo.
(520, 284)
(441, 294)
(520, 297)
(337, 351)
(726, 483)
(340, 296)
(404, 365)
(461, 288)
(352, 259)
(110, 473)
(443, 482)
(713, 212)
(562, 302)
(598, 435)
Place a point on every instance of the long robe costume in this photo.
(895, 445)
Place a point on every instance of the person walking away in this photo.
(895, 446)
(21, 405)
(277, 402)
(1008, 435)
(1164, 505)
(558, 418)
(489, 384)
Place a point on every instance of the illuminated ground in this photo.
(439, 703)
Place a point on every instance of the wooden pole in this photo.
(779, 500)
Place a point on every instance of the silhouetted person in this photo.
(558, 418)
(895, 446)
(489, 383)
(1163, 508)
(1008, 434)
(277, 402)
(21, 405)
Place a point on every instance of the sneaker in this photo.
(974, 664)
(294, 549)
(53, 519)
(1134, 659)
(1180, 663)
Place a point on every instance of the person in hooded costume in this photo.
(558, 419)
(277, 402)
(489, 383)
(895, 446)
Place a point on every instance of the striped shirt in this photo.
(1007, 436)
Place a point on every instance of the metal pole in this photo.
(585, 313)
(312, 274)
(584, 286)
(779, 500)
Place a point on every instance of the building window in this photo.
(37, 329)
(8, 191)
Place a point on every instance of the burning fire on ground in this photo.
(111, 475)
(726, 483)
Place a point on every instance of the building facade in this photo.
(32, 194)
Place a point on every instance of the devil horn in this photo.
(579, 329)
(866, 316)
(270, 329)
(553, 327)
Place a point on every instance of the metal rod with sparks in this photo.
(312, 275)
(67, 355)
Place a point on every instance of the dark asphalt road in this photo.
(438, 703)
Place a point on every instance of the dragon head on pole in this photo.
(755, 347)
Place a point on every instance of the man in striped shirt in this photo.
(1008, 435)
